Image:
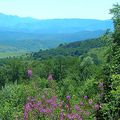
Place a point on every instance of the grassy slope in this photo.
(11, 54)
(10, 51)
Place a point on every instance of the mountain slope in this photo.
(34, 42)
(72, 49)
(52, 25)
(31, 34)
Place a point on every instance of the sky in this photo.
(52, 9)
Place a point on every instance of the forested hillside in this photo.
(55, 75)
(72, 49)
(31, 42)
(75, 81)
(29, 34)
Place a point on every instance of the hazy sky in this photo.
(47, 9)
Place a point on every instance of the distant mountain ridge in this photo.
(15, 23)
(33, 34)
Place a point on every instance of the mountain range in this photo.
(31, 34)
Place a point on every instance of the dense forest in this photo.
(75, 81)
(78, 48)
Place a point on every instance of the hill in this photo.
(77, 48)
(33, 42)
(31, 34)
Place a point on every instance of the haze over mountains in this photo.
(31, 34)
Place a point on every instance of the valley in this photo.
(59, 69)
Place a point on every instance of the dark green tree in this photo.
(111, 73)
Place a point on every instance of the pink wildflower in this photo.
(68, 97)
(29, 73)
(50, 77)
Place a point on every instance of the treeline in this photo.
(82, 58)
(72, 49)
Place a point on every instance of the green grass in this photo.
(7, 48)
(10, 51)
(11, 54)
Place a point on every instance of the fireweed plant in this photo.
(54, 108)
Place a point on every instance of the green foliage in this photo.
(12, 70)
(111, 76)
(12, 98)
(71, 49)
(74, 68)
